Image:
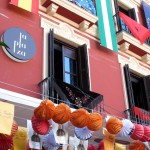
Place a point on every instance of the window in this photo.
(138, 89)
(68, 74)
(68, 64)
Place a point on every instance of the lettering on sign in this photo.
(21, 44)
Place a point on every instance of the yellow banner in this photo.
(6, 117)
(109, 140)
(120, 146)
(25, 4)
(20, 140)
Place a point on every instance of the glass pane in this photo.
(70, 65)
(71, 79)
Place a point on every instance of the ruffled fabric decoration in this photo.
(83, 133)
(49, 142)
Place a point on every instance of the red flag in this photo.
(29, 5)
(139, 31)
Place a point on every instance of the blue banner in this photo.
(146, 8)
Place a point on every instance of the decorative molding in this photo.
(124, 47)
(134, 65)
(92, 32)
(42, 1)
(146, 58)
(77, 10)
(52, 9)
(129, 38)
(84, 25)
(65, 33)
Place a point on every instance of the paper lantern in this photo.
(49, 141)
(127, 128)
(6, 143)
(136, 145)
(79, 118)
(45, 110)
(83, 133)
(14, 130)
(91, 147)
(95, 122)
(138, 132)
(62, 113)
(101, 145)
(40, 126)
(146, 136)
(114, 125)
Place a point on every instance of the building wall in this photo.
(16, 76)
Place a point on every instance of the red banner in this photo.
(139, 31)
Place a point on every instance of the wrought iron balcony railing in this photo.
(59, 91)
(138, 115)
(121, 26)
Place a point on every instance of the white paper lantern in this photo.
(127, 129)
(49, 141)
(83, 133)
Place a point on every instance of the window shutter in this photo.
(132, 14)
(147, 89)
(51, 54)
(129, 86)
(83, 68)
(50, 60)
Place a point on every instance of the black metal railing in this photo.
(138, 115)
(121, 26)
(59, 91)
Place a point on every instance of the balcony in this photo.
(59, 91)
(128, 43)
(71, 12)
(138, 115)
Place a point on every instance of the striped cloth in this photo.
(107, 33)
(29, 5)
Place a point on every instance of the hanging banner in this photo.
(107, 32)
(120, 146)
(109, 140)
(29, 5)
(139, 31)
(6, 117)
(146, 8)
(21, 139)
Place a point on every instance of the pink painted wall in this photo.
(106, 78)
(25, 75)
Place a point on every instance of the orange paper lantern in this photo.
(136, 145)
(114, 125)
(95, 122)
(45, 110)
(79, 118)
(62, 113)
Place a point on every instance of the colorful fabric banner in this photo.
(146, 8)
(139, 31)
(109, 140)
(20, 140)
(29, 5)
(107, 33)
(120, 146)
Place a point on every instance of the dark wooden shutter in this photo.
(147, 90)
(129, 86)
(132, 14)
(83, 68)
(50, 60)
